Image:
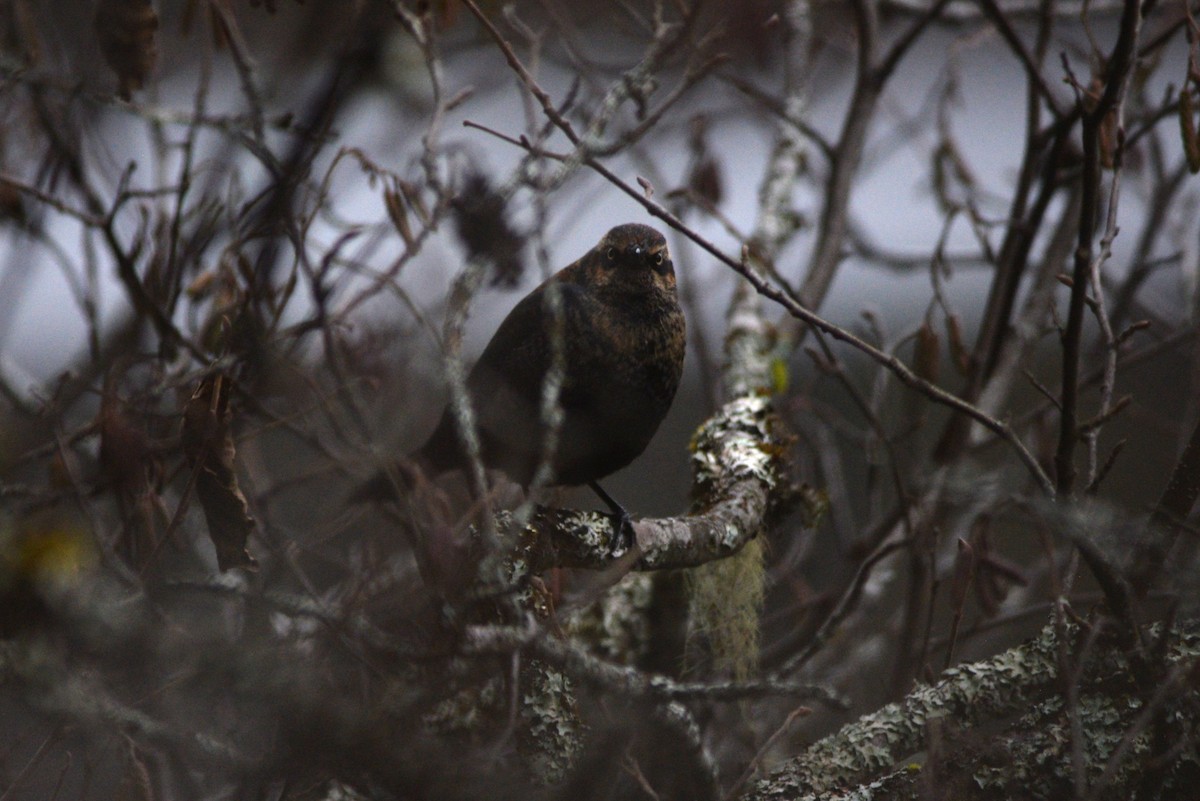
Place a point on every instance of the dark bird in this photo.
(623, 338)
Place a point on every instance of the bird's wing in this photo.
(519, 353)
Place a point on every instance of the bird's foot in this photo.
(623, 534)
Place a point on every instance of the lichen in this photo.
(615, 627)
(553, 733)
(725, 599)
(726, 595)
(729, 446)
(1034, 755)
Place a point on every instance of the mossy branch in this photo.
(869, 754)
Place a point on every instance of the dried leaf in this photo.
(136, 784)
(1111, 138)
(481, 221)
(953, 181)
(12, 207)
(705, 182)
(131, 467)
(394, 203)
(993, 573)
(964, 568)
(412, 194)
(207, 439)
(124, 448)
(927, 360)
(447, 13)
(202, 285)
(704, 175)
(958, 347)
(1187, 129)
(22, 38)
(126, 31)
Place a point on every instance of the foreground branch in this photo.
(1031, 757)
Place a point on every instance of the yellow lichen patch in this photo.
(47, 549)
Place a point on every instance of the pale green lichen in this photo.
(725, 600)
(1035, 755)
(733, 445)
(726, 595)
(615, 627)
(469, 710)
(553, 733)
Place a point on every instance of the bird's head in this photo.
(632, 256)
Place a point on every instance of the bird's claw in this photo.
(622, 535)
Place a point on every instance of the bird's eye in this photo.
(658, 258)
(611, 254)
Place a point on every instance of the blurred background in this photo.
(246, 231)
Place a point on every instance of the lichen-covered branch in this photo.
(736, 467)
(1024, 681)
(629, 681)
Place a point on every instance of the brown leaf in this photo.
(1111, 139)
(207, 440)
(202, 285)
(412, 194)
(394, 203)
(959, 352)
(130, 466)
(136, 784)
(927, 360)
(1187, 129)
(994, 574)
(706, 183)
(125, 31)
(125, 452)
(481, 220)
(12, 207)
(964, 568)
(22, 38)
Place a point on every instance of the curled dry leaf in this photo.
(959, 353)
(706, 183)
(125, 451)
(12, 208)
(20, 32)
(207, 440)
(129, 462)
(394, 202)
(126, 31)
(927, 359)
(1187, 129)
(481, 221)
(964, 568)
(704, 180)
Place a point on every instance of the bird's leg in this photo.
(623, 535)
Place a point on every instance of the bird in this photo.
(624, 342)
